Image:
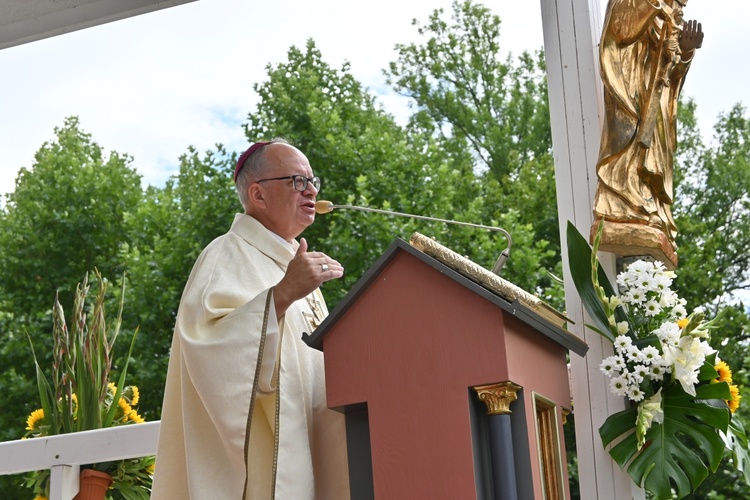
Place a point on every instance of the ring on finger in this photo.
(324, 267)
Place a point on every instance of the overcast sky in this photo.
(152, 85)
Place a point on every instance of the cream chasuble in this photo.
(217, 441)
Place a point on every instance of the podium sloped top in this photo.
(515, 307)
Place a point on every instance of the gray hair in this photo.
(253, 169)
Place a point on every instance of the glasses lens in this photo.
(300, 182)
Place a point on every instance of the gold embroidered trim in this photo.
(315, 317)
(255, 387)
(277, 376)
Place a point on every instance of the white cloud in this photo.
(151, 86)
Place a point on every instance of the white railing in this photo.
(64, 454)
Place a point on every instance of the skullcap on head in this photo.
(244, 156)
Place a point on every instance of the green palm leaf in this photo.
(579, 261)
(680, 452)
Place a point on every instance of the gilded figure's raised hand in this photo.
(691, 37)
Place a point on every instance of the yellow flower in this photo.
(124, 407)
(734, 403)
(40, 498)
(133, 416)
(683, 322)
(725, 373)
(33, 420)
(131, 394)
(136, 395)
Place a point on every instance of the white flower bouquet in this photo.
(681, 396)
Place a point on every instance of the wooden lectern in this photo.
(409, 353)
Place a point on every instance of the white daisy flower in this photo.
(619, 385)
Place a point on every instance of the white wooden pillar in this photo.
(571, 37)
(64, 482)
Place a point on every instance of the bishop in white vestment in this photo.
(244, 412)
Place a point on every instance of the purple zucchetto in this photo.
(244, 156)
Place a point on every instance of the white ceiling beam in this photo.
(23, 21)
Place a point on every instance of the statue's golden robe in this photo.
(638, 53)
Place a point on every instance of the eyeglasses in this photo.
(300, 181)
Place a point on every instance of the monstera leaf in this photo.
(680, 452)
(736, 443)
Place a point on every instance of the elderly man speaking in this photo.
(244, 412)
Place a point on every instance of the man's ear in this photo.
(256, 195)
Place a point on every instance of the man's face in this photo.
(287, 211)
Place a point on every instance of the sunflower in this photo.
(134, 417)
(124, 408)
(725, 373)
(734, 403)
(34, 420)
(136, 395)
(131, 394)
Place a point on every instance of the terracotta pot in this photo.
(93, 485)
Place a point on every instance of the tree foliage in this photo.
(494, 110)
(169, 229)
(465, 91)
(477, 148)
(65, 217)
(712, 211)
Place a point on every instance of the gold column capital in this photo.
(498, 397)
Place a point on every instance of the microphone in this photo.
(326, 207)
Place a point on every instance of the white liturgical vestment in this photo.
(245, 412)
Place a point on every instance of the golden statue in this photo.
(645, 52)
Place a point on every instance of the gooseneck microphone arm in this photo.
(324, 207)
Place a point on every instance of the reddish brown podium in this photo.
(406, 352)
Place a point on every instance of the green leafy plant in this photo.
(681, 397)
(79, 396)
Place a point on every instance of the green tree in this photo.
(464, 90)
(363, 156)
(367, 159)
(169, 230)
(712, 211)
(66, 216)
(496, 111)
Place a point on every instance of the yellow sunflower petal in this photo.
(725, 373)
(124, 408)
(134, 417)
(34, 419)
(734, 403)
(136, 395)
